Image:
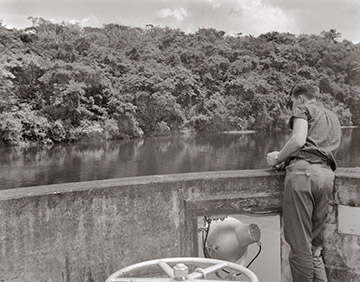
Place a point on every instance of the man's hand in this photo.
(271, 158)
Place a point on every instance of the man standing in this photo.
(310, 164)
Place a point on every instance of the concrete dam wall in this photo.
(85, 231)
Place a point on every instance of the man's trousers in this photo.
(308, 189)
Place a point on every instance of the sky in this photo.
(252, 17)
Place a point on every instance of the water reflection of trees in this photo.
(348, 154)
(149, 156)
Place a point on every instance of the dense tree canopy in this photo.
(63, 83)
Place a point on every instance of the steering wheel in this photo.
(177, 270)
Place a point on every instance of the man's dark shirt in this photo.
(324, 134)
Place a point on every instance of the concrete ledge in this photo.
(128, 181)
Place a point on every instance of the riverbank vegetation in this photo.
(63, 83)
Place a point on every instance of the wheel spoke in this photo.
(167, 268)
(202, 273)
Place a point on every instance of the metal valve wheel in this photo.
(180, 270)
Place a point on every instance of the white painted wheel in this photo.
(177, 270)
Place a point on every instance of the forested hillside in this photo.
(63, 83)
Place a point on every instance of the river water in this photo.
(22, 167)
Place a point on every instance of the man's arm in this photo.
(295, 142)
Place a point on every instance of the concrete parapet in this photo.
(85, 231)
(342, 245)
